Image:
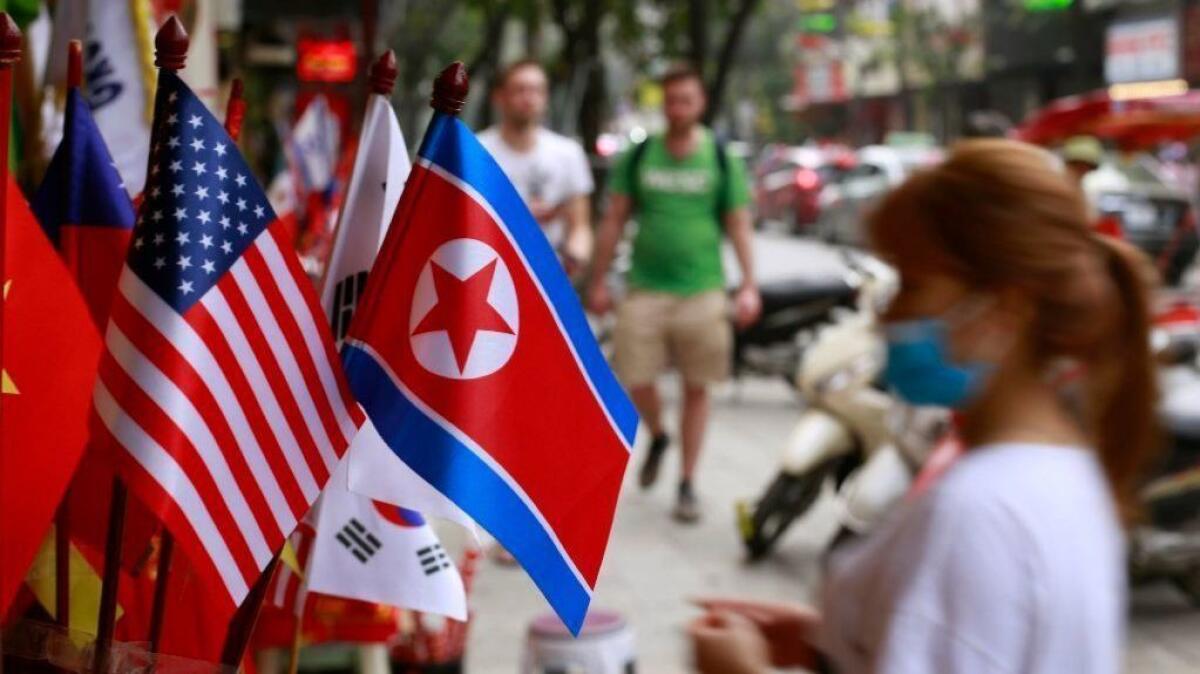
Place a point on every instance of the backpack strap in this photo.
(722, 156)
(633, 171)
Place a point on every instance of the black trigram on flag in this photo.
(433, 559)
(345, 298)
(360, 542)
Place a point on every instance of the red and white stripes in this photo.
(232, 415)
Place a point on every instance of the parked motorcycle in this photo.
(801, 283)
(851, 432)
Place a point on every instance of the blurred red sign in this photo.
(325, 60)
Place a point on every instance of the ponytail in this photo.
(1122, 386)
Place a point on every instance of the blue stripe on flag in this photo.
(460, 154)
(447, 463)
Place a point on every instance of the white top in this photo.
(554, 170)
(1014, 562)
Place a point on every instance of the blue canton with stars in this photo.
(202, 206)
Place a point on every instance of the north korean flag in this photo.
(473, 358)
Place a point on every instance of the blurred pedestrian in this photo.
(683, 189)
(1082, 155)
(550, 171)
(1014, 561)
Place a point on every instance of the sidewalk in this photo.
(654, 566)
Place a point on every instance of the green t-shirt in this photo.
(677, 248)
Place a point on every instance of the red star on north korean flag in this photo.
(463, 310)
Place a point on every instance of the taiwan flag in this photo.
(84, 208)
(471, 355)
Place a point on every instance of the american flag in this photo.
(219, 384)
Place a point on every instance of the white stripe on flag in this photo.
(159, 464)
(223, 316)
(264, 318)
(294, 298)
(183, 337)
(175, 404)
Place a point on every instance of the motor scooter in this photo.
(851, 432)
(1165, 545)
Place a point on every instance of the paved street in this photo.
(653, 565)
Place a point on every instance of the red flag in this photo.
(50, 353)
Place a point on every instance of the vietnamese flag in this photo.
(51, 349)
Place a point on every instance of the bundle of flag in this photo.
(465, 313)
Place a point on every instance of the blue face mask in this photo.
(920, 370)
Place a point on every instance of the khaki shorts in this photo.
(691, 333)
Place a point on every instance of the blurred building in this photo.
(866, 67)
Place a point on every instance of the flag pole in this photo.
(10, 53)
(170, 44)
(242, 625)
(62, 516)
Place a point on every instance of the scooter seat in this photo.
(794, 292)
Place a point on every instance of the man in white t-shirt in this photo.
(550, 171)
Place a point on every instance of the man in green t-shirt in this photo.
(683, 190)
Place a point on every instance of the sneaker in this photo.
(654, 454)
(687, 508)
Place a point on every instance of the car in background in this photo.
(1152, 213)
(790, 182)
(877, 169)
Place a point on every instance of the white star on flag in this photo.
(206, 241)
(177, 190)
(204, 217)
(198, 167)
(208, 267)
(202, 192)
(195, 121)
(258, 211)
(197, 145)
(182, 238)
(185, 287)
(240, 180)
(219, 148)
(180, 214)
(223, 197)
(185, 261)
(222, 173)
